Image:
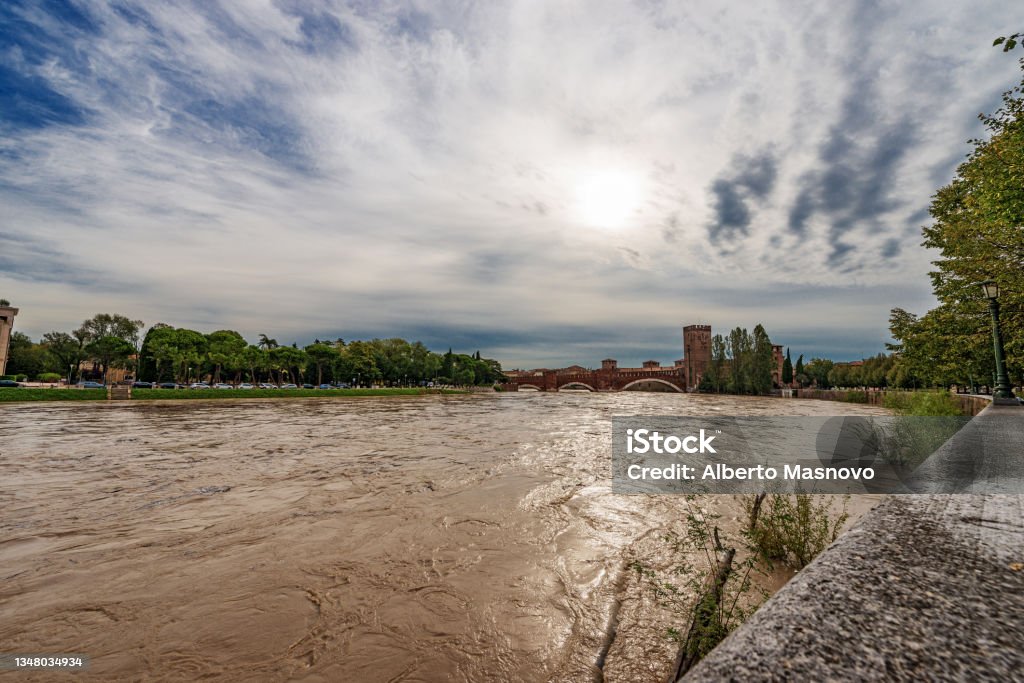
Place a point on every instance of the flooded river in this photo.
(463, 538)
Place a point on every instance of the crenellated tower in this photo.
(696, 352)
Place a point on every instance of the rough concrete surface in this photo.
(924, 587)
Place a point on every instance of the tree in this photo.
(225, 350)
(67, 350)
(719, 357)
(787, 370)
(448, 366)
(761, 362)
(266, 343)
(24, 357)
(798, 372)
(255, 359)
(740, 346)
(114, 325)
(322, 356)
(108, 351)
(818, 370)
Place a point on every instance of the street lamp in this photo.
(1002, 388)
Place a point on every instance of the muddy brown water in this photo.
(463, 538)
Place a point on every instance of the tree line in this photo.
(181, 355)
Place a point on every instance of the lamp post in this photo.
(1002, 387)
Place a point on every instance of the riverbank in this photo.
(28, 394)
(968, 404)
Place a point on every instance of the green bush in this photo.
(8, 377)
(795, 529)
(50, 377)
(936, 403)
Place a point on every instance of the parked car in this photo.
(169, 385)
(343, 385)
(91, 385)
(308, 386)
(142, 385)
(222, 385)
(268, 385)
(8, 384)
(245, 385)
(325, 386)
(289, 386)
(198, 385)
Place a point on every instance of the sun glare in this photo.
(607, 198)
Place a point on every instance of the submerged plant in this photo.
(794, 529)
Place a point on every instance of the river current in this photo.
(465, 538)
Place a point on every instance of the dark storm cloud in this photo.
(854, 185)
(748, 179)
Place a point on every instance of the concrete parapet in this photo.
(924, 587)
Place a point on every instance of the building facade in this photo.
(7, 314)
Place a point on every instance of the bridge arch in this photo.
(654, 380)
(576, 385)
(527, 385)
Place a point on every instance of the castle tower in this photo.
(778, 358)
(6, 324)
(696, 352)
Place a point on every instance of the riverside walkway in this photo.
(924, 587)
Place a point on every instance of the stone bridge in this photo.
(608, 378)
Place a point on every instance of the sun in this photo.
(607, 198)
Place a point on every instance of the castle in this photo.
(683, 375)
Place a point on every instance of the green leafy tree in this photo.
(761, 362)
(24, 357)
(103, 325)
(717, 367)
(787, 369)
(818, 370)
(110, 351)
(224, 350)
(67, 350)
(321, 356)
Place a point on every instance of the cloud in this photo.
(750, 179)
(334, 169)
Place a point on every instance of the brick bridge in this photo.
(610, 377)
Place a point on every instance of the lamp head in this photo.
(991, 289)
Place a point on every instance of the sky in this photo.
(547, 182)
